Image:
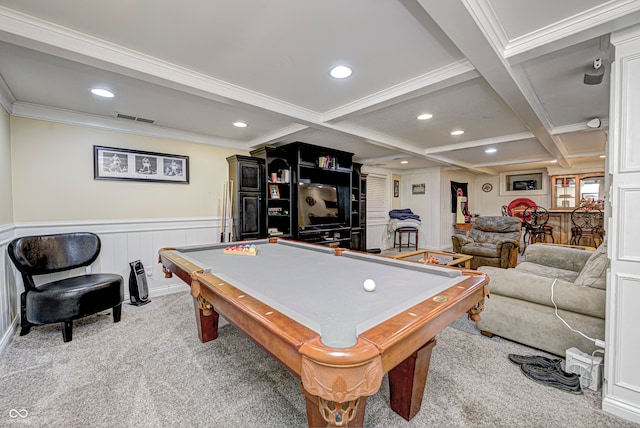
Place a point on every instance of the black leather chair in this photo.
(66, 299)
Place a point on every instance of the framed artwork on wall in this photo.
(111, 163)
(396, 188)
(418, 189)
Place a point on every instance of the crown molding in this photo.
(45, 36)
(578, 127)
(583, 21)
(479, 143)
(6, 96)
(485, 17)
(591, 23)
(448, 75)
(463, 165)
(277, 135)
(514, 162)
(69, 117)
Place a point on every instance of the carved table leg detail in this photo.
(474, 313)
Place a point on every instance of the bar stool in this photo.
(397, 237)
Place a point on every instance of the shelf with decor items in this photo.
(572, 191)
(358, 209)
(310, 156)
(277, 176)
(321, 194)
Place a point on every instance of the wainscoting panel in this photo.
(377, 236)
(9, 316)
(122, 243)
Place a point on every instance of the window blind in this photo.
(377, 198)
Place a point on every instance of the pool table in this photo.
(306, 305)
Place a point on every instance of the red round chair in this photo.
(517, 206)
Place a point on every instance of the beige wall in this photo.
(6, 200)
(52, 170)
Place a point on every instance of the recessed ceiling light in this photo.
(102, 93)
(425, 116)
(340, 72)
(240, 124)
(553, 161)
(404, 161)
(457, 132)
(603, 156)
(491, 150)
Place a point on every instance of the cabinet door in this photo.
(250, 216)
(249, 177)
(565, 192)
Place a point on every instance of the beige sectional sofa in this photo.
(520, 306)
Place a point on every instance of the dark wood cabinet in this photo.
(277, 176)
(247, 206)
(321, 194)
(300, 191)
(358, 209)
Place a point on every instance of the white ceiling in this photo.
(507, 72)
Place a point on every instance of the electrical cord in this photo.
(598, 342)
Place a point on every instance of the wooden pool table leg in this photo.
(407, 381)
(206, 320)
(315, 418)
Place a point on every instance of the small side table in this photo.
(397, 237)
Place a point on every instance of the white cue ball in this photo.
(369, 284)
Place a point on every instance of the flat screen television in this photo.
(524, 185)
(323, 205)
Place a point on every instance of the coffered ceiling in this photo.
(509, 73)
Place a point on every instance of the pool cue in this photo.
(229, 208)
(224, 212)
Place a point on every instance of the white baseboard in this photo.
(8, 334)
(622, 409)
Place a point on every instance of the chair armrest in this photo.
(459, 240)
(508, 241)
(567, 258)
(508, 252)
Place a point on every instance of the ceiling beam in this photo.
(467, 33)
(479, 143)
(442, 78)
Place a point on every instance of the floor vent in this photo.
(135, 118)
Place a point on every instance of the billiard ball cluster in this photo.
(245, 250)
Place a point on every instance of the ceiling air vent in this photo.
(135, 118)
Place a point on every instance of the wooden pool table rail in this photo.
(335, 382)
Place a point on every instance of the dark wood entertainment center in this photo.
(306, 192)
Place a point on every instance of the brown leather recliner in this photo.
(66, 299)
(492, 241)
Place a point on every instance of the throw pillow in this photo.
(593, 272)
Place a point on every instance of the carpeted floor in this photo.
(150, 370)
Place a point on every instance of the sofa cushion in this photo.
(593, 272)
(548, 271)
(567, 258)
(481, 249)
(528, 287)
